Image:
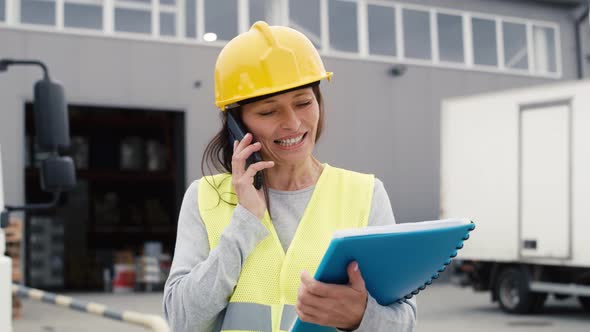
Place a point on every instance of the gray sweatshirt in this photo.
(202, 280)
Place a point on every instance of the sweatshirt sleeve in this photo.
(395, 317)
(201, 280)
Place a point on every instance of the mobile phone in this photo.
(237, 132)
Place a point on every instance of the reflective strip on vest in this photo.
(247, 317)
(288, 317)
(241, 316)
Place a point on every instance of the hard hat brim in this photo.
(239, 100)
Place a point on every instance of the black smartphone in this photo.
(237, 132)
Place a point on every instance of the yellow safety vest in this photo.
(266, 292)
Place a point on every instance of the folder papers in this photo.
(396, 261)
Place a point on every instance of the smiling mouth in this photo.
(291, 141)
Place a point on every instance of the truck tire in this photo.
(513, 294)
(585, 302)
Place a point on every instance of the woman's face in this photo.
(285, 125)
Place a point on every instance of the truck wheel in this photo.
(513, 294)
(585, 302)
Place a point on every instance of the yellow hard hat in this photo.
(264, 60)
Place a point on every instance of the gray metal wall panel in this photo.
(14, 89)
(374, 123)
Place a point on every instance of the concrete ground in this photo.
(442, 307)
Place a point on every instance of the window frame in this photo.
(557, 41)
(499, 53)
(280, 15)
(366, 39)
(325, 17)
(527, 30)
(402, 56)
(434, 27)
(98, 3)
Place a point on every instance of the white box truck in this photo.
(518, 164)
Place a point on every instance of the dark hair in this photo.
(218, 153)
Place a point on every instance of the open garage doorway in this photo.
(116, 229)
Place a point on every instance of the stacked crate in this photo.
(152, 272)
(152, 267)
(47, 251)
(14, 235)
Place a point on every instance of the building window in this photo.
(190, 18)
(169, 12)
(389, 30)
(261, 10)
(38, 12)
(2, 10)
(515, 46)
(450, 38)
(132, 20)
(167, 24)
(485, 45)
(221, 20)
(343, 25)
(416, 25)
(304, 15)
(84, 16)
(545, 50)
(381, 20)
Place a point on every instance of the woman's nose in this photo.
(291, 120)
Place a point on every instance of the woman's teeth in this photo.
(290, 141)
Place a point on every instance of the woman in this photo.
(244, 257)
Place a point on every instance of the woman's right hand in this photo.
(243, 179)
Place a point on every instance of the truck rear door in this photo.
(545, 164)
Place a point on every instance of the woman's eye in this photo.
(303, 104)
(266, 113)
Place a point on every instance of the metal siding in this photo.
(375, 123)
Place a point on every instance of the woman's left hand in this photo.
(340, 306)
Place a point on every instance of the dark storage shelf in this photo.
(133, 230)
(112, 209)
(98, 175)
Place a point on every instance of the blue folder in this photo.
(395, 265)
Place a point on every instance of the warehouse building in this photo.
(138, 77)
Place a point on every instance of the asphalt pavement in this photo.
(441, 308)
